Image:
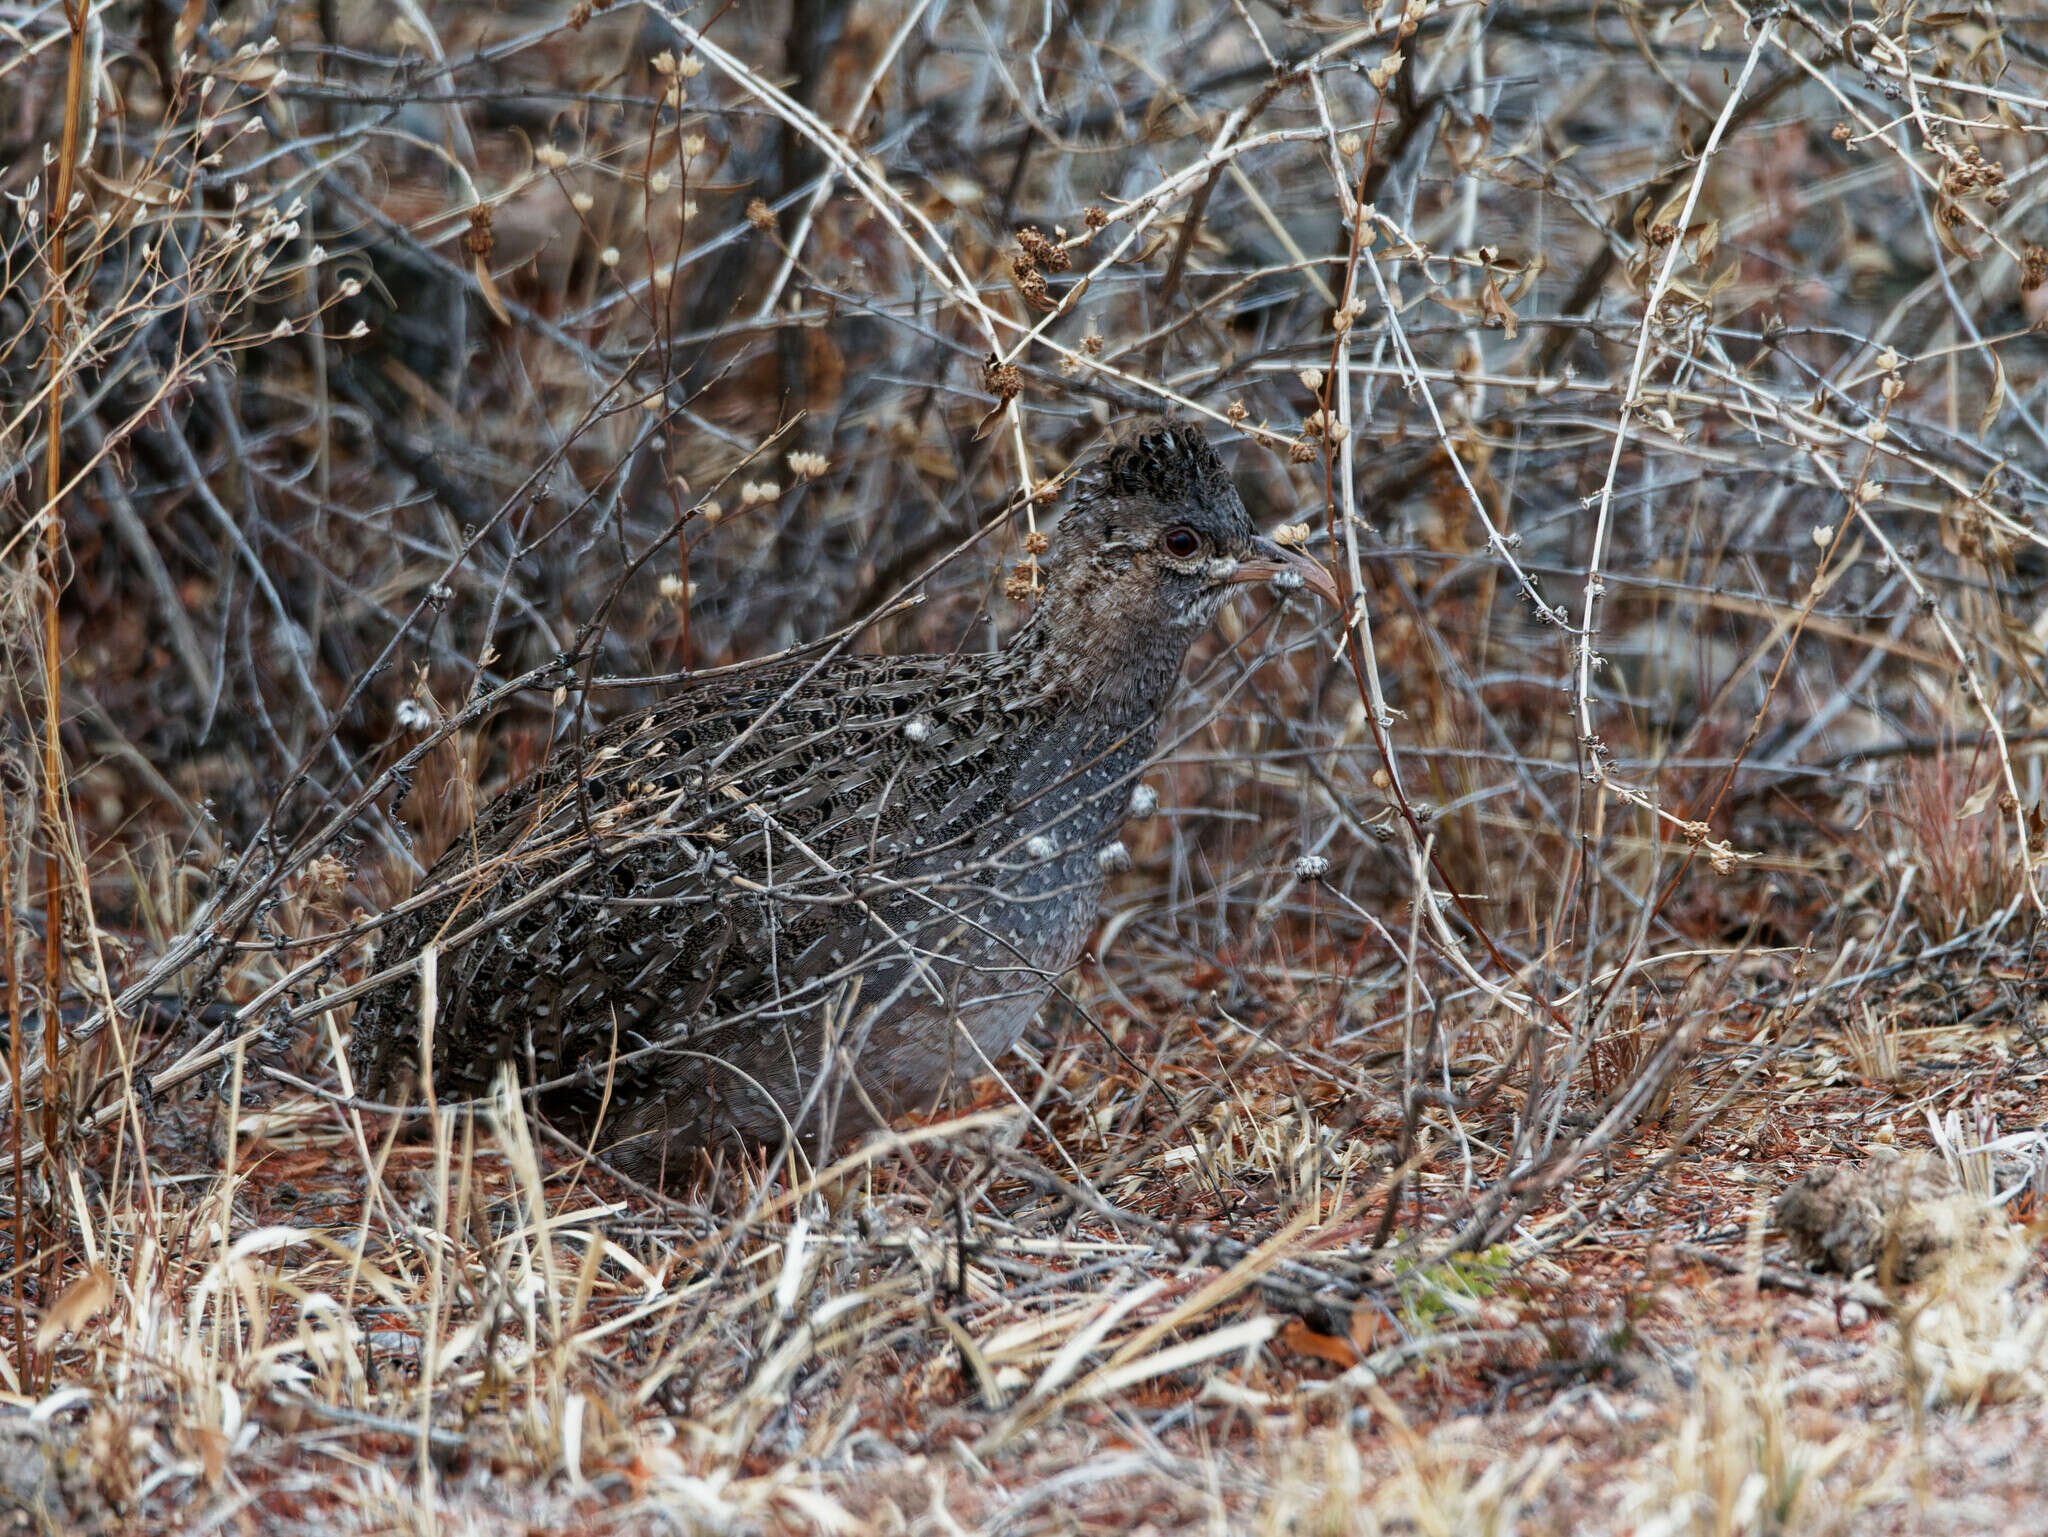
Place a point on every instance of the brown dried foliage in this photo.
(1664, 380)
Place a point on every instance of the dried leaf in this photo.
(489, 285)
(255, 70)
(213, 1453)
(78, 1305)
(1497, 310)
(1949, 234)
(1365, 1329)
(1996, 403)
(988, 423)
(1706, 237)
(1525, 275)
(148, 191)
(1334, 1348)
(187, 27)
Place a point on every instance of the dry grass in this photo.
(1666, 818)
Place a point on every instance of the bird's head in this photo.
(1160, 515)
(1152, 546)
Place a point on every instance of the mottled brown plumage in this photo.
(820, 893)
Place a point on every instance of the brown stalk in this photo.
(53, 553)
(8, 960)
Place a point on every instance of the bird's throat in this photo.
(1089, 653)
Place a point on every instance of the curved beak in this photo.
(1269, 560)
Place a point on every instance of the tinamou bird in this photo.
(794, 902)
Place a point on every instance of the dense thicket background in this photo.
(437, 378)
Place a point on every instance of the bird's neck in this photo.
(1083, 654)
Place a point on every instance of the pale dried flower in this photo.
(806, 465)
(326, 877)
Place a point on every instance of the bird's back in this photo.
(884, 848)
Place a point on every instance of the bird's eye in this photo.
(1182, 542)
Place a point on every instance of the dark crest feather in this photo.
(1162, 457)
